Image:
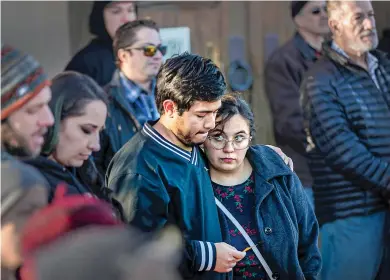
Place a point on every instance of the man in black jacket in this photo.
(163, 167)
(284, 73)
(346, 102)
(97, 59)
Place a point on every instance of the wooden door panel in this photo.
(203, 19)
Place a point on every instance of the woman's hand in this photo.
(227, 257)
(285, 158)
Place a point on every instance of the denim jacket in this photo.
(286, 222)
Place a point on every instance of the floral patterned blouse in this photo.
(240, 201)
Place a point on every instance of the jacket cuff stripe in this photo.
(206, 256)
(203, 256)
(212, 255)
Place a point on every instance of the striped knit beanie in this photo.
(22, 78)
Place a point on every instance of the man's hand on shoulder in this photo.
(288, 161)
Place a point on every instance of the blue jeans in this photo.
(352, 248)
(384, 273)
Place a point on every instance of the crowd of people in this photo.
(125, 167)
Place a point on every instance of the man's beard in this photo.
(14, 144)
(18, 151)
(184, 139)
(187, 139)
(363, 47)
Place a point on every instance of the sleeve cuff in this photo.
(206, 256)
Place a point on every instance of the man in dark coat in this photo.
(97, 58)
(284, 73)
(346, 102)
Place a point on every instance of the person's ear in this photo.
(335, 26)
(122, 55)
(169, 108)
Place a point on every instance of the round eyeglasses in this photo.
(239, 142)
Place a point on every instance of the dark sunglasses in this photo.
(151, 50)
(317, 10)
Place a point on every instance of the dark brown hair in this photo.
(233, 104)
(126, 35)
(187, 78)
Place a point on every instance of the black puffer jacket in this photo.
(347, 119)
(97, 58)
(384, 44)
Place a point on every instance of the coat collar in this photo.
(304, 48)
(117, 94)
(334, 55)
(47, 166)
(5, 155)
(267, 165)
(132, 89)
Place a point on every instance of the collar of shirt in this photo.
(174, 151)
(307, 51)
(372, 61)
(132, 90)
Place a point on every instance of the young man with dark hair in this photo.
(138, 54)
(162, 166)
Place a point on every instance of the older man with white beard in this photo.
(346, 102)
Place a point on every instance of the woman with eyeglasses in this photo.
(264, 196)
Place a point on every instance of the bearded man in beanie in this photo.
(25, 116)
(25, 94)
(284, 72)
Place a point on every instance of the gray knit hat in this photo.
(22, 78)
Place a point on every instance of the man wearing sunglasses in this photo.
(139, 52)
(284, 72)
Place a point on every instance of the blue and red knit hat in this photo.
(22, 78)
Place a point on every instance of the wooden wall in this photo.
(212, 23)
